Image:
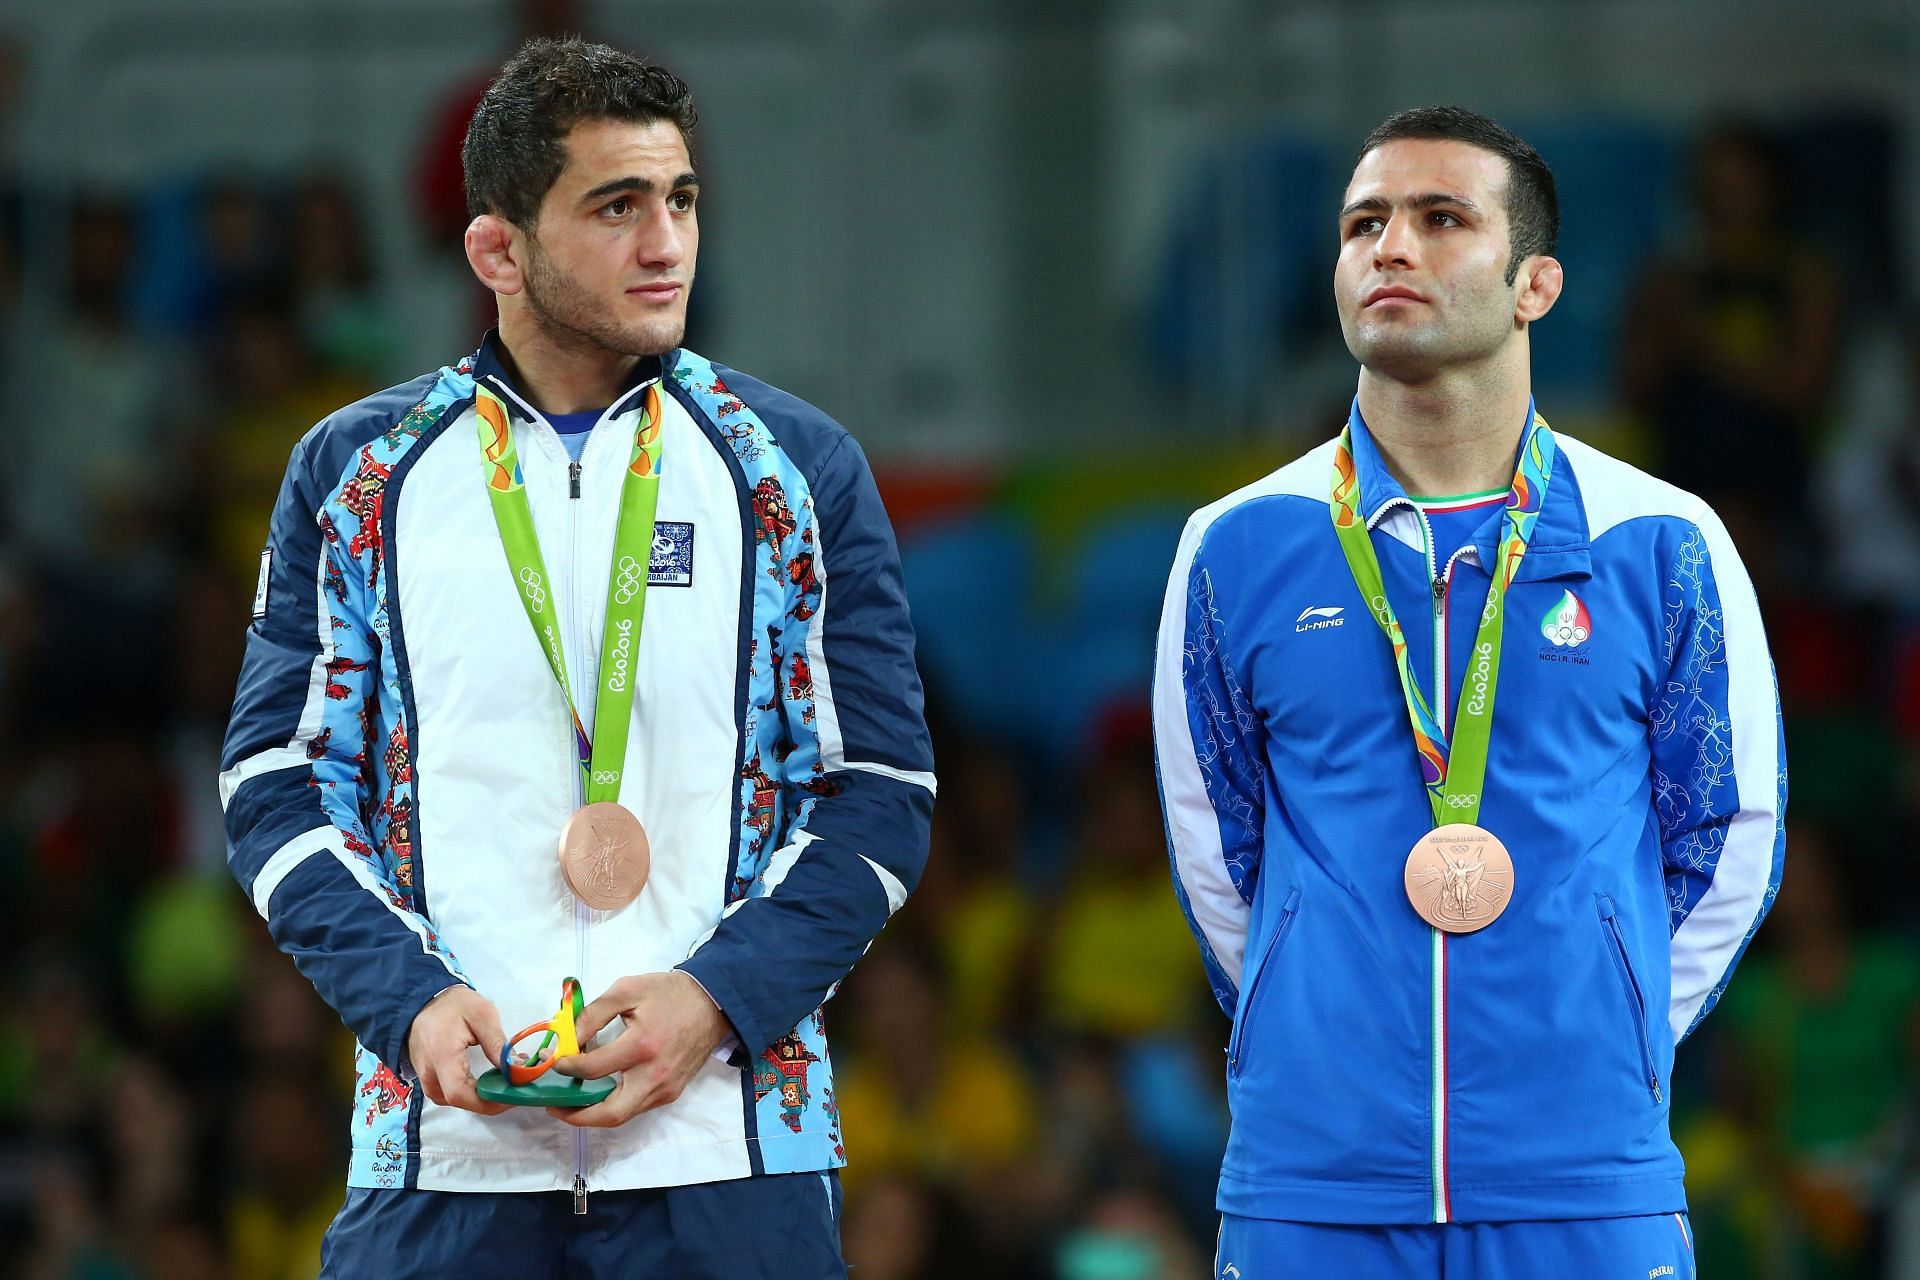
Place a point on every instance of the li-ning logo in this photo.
(1479, 675)
(1319, 618)
(622, 655)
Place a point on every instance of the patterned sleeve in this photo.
(1719, 769)
(851, 747)
(295, 778)
(1212, 769)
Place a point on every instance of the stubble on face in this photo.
(1467, 314)
(602, 235)
(568, 315)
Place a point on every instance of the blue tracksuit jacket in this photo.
(1380, 1071)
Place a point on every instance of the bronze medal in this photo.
(604, 855)
(1459, 878)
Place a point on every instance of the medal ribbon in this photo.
(602, 758)
(1454, 773)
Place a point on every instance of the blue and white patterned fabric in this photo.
(1379, 1073)
(399, 760)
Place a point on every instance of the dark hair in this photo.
(1533, 208)
(515, 142)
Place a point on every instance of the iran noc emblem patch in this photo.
(1567, 625)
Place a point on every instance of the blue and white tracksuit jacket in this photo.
(400, 759)
(1383, 1072)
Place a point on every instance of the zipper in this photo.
(1635, 998)
(1441, 580)
(1438, 1106)
(581, 912)
(1249, 993)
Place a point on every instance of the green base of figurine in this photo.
(550, 1090)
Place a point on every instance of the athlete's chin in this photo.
(655, 337)
(1397, 352)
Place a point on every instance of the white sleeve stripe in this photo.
(917, 778)
(1192, 826)
(284, 859)
(1713, 931)
(272, 760)
(783, 859)
(896, 891)
(359, 869)
(826, 716)
(312, 711)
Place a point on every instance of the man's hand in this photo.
(437, 1043)
(672, 1026)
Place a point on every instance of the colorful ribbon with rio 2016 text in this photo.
(1454, 774)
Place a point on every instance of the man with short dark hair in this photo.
(583, 658)
(1459, 945)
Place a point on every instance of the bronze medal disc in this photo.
(604, 855)
(1459, 878)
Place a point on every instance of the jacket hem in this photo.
(442, 1169)
(1411, 1203)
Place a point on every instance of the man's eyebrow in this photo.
(1425, 200)
(639, 186)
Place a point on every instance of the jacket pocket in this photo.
(1250, 990)
(1630, 985)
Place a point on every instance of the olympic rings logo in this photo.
(1462, 802)
(606, 777)
(534, 589)
(626, 580)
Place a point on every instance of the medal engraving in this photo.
(604, 856)
(1459, 878)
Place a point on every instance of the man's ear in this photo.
(1541, 280)
(494, 248)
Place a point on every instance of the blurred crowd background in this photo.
(1065, 270)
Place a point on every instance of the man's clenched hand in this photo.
(672, 1027)
(451, 1023)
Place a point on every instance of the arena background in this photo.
(1064, 268)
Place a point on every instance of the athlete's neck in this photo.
(1457, 432)
(558, 376)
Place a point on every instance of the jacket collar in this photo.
(1559, 548)
(490, 367)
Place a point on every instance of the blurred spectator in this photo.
(916, 1099)
(1119, 960)
(903, 1228)
(1128, 1234)
(1730, 348)
(274, 391)
(341, 317)
(98, 403)
(1830, 1002)
(972, 901)
(289, 1187)
(242, 259)
(441, 196)
(440, 193)
(1874, 466)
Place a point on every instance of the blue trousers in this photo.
(781, 1225)
(1653, 1248)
